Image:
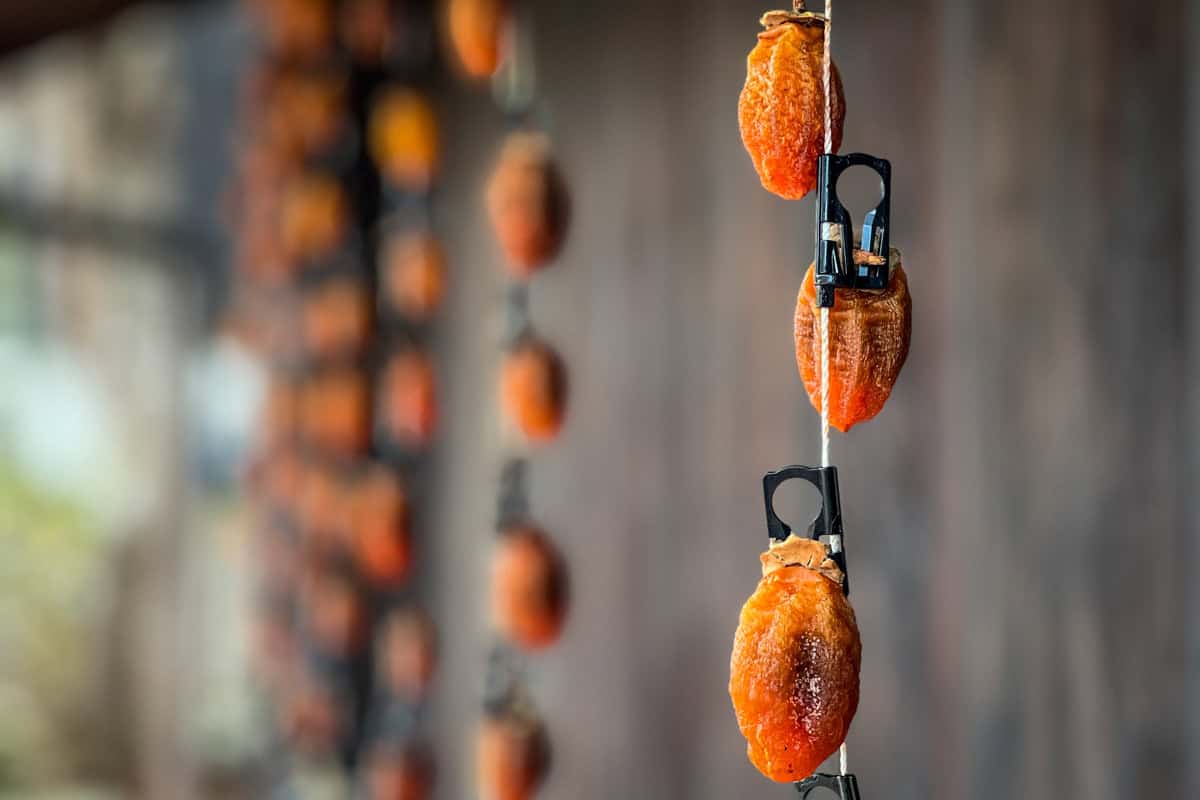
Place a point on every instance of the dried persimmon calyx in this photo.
(797, 551)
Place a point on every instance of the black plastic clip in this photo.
(512, 501)
(844, 786)
(836, 262)
(827, 526)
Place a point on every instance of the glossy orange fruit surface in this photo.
(529, 589)
(533, 390)
(794, 671)
(869, 334)
(513, 757)
(781, 110)
(527, 203)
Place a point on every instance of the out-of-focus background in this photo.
(1022, 518)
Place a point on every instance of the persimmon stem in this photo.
(799, 6)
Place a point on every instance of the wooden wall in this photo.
(1021, 519)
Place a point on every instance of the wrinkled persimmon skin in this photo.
(781, 110)
(794, 672)
(869, 334)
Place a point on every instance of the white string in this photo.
(827, 80)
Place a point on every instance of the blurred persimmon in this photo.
(513, 756)
(477, 31)
(311, 717)
(533, 389)
(409, 398)
(337, 318)
(314, 217)
(406, 773)
(407, 653)
(527, 203)
(781, 111)
(379, 515)
(322, 509)
(299, 30)
(368, 29)
(335, 412)
(529, 588)
(403, 138)
(795, 666)
(334, 611)
(414, 274)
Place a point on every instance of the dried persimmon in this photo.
(414, 274)
(795, 666)
(406, 773)
(379, 523)
(407, 653)
(529, 588)
(409, 398)
(533, 389)
(781, 111)
(513, 756)
(527, 203)
(477, 32)
(403, 138)
(869, 334)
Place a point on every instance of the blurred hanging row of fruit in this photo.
(527, 205)
(338, 271)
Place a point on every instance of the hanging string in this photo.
(827, 81)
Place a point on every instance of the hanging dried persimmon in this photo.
(527, 203)
(781, 110)
(533, 389)
(404, 774)
(403, 138)
(335, 612)
(315, 217)
(335, 412)
(321, 508)
(368, 29)
(414, 274)
(311, 717)
(513, 756)
(529, 588)
(379, 519)
(298, 29)
(337, 318)
(869, 334)
(409, 398)
(407, 653)
(794, 671)
(477, 30)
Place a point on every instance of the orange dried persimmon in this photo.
(414, 274)
(379, 527)
(529, 588)
(409, 398)
(533, 389)
(527, 203)
(404, 774)
(794, 671)
(869, 334)
(781, 111)
(407, 653)
(403, 138)
(513, 756)
(476, 30)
